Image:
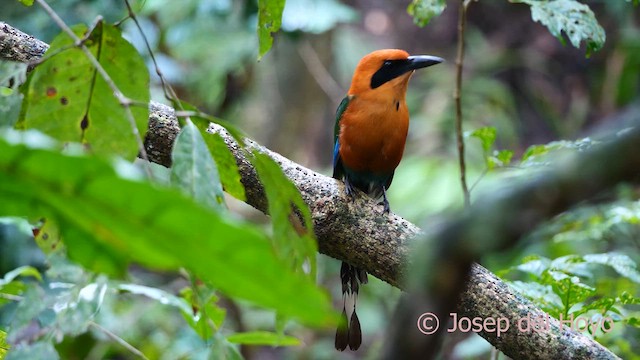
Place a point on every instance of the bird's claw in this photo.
(385, 202)
(349, 189)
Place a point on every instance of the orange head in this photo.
(387, 70)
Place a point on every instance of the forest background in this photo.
(528, 98)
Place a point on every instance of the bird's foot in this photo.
(349, 189)
(385, 202)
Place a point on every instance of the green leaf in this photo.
(293, 240)
(202, 121)
(48, 237)
(226, 163)
(542, 295)
(193, 169)
(21, 271)
(621, 263)
(504, 156)
(229, 173)
(500, 159)
(12, 74)
(4, 347)
(223, 350)
(205, 316)
(425, 10)
(633, 321)
(602, 305)
(269, 21)
(535, 266)
(487, 136)
(67, 99)
(10, 286)
(159, 295)
(26, 2)
(626, 298)
(576, 20)
(155, 227)
(534, 150)
(568, 287)
(262, 338)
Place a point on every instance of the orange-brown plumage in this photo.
(373, 128)
(370, 134)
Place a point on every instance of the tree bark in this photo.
(358, 232)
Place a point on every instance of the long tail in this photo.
(349, 332)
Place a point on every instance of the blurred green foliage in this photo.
(425, 10)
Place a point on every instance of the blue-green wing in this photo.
(338, 170)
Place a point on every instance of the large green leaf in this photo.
(292, 238)
(226, 163)
(269, 21)
(576, 20)
(67, 99)
(193, 169)
(229, 172)
(107, 222)
(425, 10)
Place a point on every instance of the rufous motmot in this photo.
(369, 136)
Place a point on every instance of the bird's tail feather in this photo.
(349, 332)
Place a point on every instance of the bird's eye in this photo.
(387, 63)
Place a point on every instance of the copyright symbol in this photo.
(428, 323)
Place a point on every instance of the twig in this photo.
(123, 100)
(117, 338)
(457, 96)
(169, 93)
(326, 82)
(11, 297)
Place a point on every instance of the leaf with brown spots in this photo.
(67, 99)
(47, 237)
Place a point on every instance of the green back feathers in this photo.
(341, 108)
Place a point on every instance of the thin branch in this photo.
(326, 82)
(123, 100)
(118, 339)
(11, 297)
(168, 90)
(457, 96)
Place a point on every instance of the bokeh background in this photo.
(517, 78)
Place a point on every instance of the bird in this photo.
(370, 131)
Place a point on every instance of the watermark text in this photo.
(428, 323)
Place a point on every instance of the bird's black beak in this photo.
(422, 61)
(391, 69)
